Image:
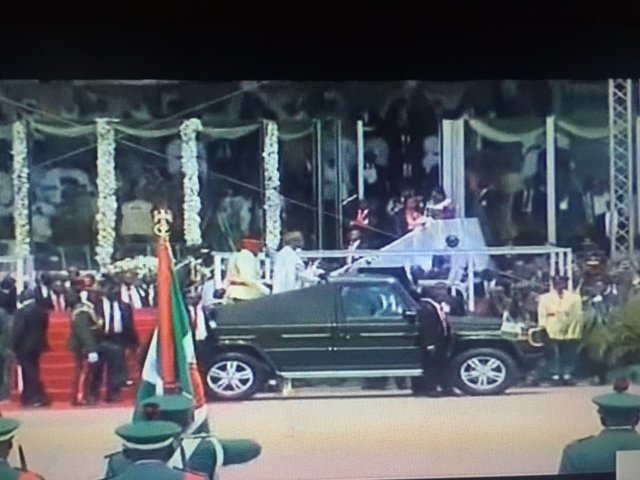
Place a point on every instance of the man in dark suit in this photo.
(8, 305)
(58, 299)
(436, 381)
(42, 291)
(119, 335)
(29, 341)
(131, 293)
(355, 241)
(530, 212)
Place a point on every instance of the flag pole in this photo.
(162, 219)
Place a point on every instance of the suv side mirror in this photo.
(410, 315)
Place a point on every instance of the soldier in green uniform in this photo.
(86, 330)
(199, 450)
(8, 429)
(619, 415)
(148, 446)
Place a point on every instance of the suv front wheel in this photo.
(233, 376)
(483, 371)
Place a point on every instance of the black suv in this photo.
(354, 327)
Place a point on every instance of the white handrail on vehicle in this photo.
(560, 260)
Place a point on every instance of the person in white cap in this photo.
(289, 271)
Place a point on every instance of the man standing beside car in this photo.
(560, 313)
(436, 380)
(243, 273)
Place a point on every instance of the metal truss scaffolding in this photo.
(621, 168)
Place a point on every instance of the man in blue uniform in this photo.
(619, 415)
(199, 450)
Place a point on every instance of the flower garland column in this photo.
(272, 200)
(191, 170)
(107, 202)
(21, 190)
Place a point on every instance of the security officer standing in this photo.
(619, 415)
(436, 381)
(148, 446)
(199, 451)
(8, 430)
(29, 341)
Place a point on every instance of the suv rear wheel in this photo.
(233, 376)
(483, 371)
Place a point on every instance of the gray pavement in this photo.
(344, 433)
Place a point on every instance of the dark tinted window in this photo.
(371, 302)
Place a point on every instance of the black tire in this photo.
(503, 368)
(247, 382)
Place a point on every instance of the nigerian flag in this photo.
(170, 366)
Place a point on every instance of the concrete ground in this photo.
(345, 433)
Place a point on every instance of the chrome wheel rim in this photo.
(483, 372)
(230, 378)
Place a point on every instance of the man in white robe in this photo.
(289, 271)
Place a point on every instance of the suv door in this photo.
(373, 331)
(299, 334)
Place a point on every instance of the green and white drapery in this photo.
(105, 132)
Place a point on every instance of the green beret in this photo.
(620, 401)
(8, 428)
(173, 408)
(148, 435)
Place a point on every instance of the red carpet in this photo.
(57, 365)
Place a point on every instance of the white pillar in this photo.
(471, 294)
(552, 236)
(570, 268)
(360, 146)
(453, 171)
(552, 264)
(637, 161)
(217, 271)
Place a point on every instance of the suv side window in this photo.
(367, 302)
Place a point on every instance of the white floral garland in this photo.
(141, 265)
(273, 199)
(107, 202)
(191, 183)
(21, 190)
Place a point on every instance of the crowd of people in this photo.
(102, 336)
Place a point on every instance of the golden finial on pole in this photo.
(162, 218)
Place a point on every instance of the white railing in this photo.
(20, 268)
(560, 261)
